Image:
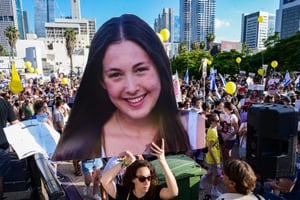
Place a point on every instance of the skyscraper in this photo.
(8, 17)
(43, 12)
(254, 33)
(197, 19)
(165, 20)
(288, 18)
(21, 27)
(75, 8)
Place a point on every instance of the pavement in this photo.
(77, 182)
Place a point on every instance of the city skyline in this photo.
(228, 12)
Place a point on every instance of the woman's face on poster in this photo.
(131, 79)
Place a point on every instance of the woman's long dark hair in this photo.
(92, 107)
(130, 174)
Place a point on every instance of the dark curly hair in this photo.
(130, 174)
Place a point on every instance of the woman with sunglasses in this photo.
(140, 180)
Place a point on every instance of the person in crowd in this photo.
(40, 112)
(290, 186)
(197, 105)
(59, 116)
(6, 115)
(230, 127)
(213, 156)
(27, 109)
(242, 133)
(126, 98)
(254, 97)
(269, 99)
(240, 180)
(92, 170)
(140, 180)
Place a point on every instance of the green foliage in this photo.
(286, 52)
(12, 35)
(225, 62)
(191, 60)
(3, 51)
(182, 48)
(70, 36)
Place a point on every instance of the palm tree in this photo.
(70, 36)
(202, 45)
(3, 51)
(12, 35)
(195, 45)
(210, 37)
(182, 48)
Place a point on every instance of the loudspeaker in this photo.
(272, 139)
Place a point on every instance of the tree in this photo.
(195, 46)
(12, 35)
(202, 45)
(272, 40)
(70, 36)
(191, 60)
(210, 37)
(3, 51)
(182, 48)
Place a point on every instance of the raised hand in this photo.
(157, 151)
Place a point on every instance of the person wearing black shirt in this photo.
(6, 115)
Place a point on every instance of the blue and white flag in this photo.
(211, 73)
(222, 79)
(297, 81)
(287, 79)
(186, 77)
(213, 86)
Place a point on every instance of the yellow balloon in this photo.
(238, 60)
(261, 72)
(28, 64)
(260, 19)
(64, 81)
(165, 34)
(230, 87)
(209, 62)
(30, 70)
(274, 64)
(160, 37)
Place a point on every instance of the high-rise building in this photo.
(43, 13)
(165, 20)
(21, 27)
(288, 18)
(254, 31)
(75, 9)
(8, 17)
(197, 19)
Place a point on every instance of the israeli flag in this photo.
(211, 73)
(213, 86)
(222, 79)
(186, 77)
(287, 79)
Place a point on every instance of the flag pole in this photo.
(204, 64)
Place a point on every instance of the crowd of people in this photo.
(125, 102)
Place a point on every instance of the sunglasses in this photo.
(142, 179)
(217, 120)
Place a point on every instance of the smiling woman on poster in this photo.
(126, 100)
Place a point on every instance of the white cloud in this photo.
(221, 23)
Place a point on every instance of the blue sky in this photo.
(228, 12)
